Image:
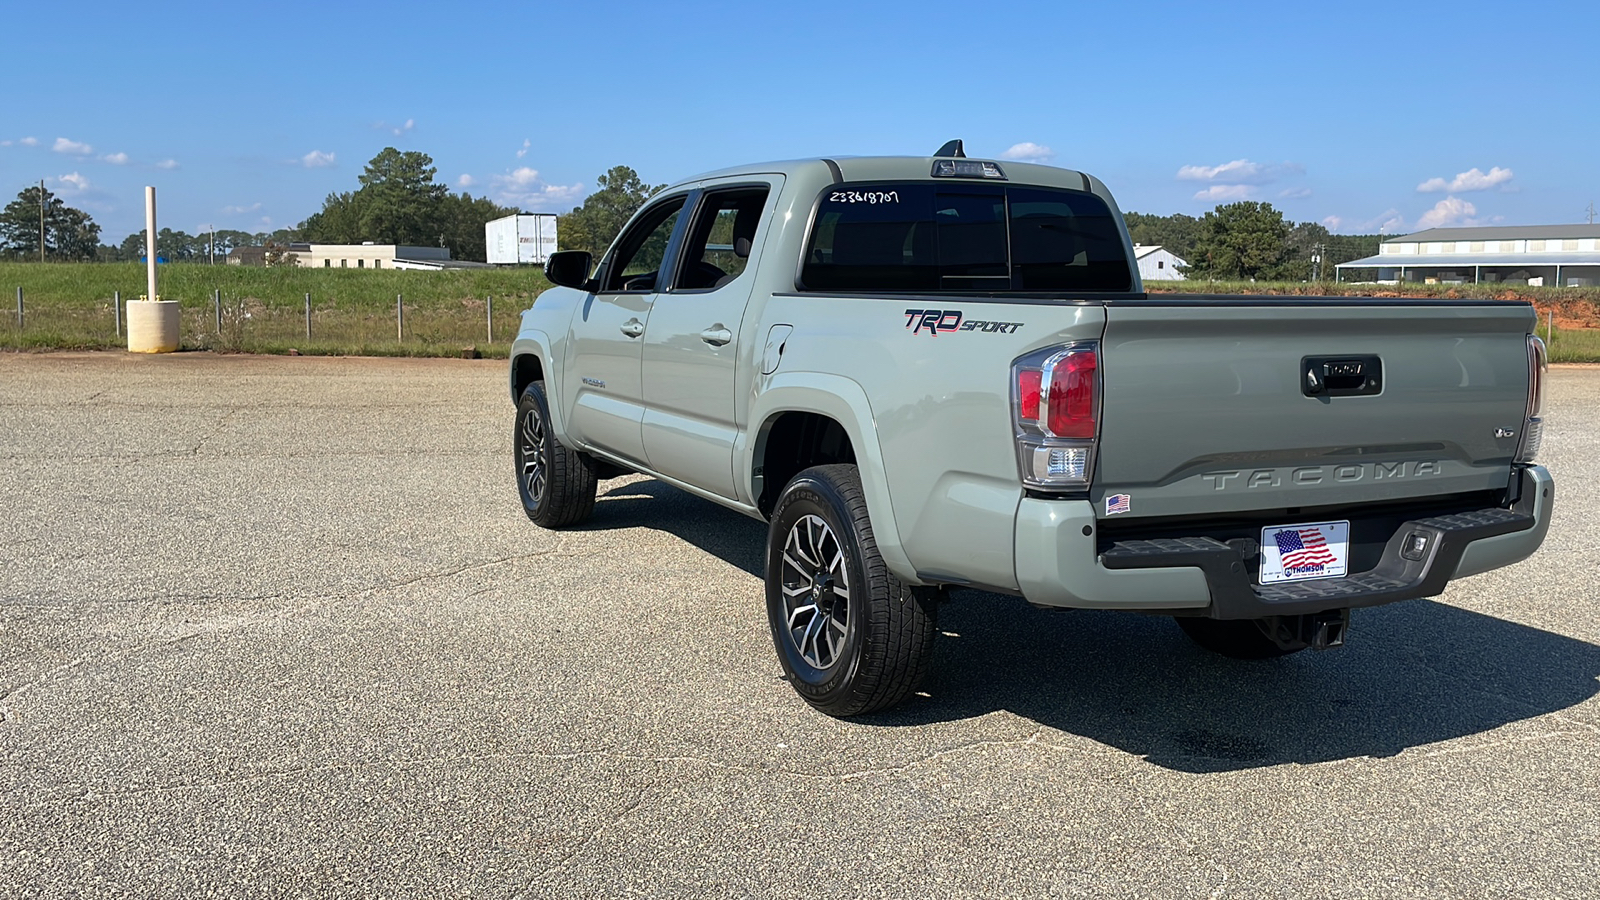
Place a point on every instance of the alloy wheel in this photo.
(816, 592)
(534, 473)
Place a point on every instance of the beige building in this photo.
(369, 256)
(1535, 255)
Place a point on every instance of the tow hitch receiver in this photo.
(1319, 631)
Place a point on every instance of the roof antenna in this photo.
(952, 148)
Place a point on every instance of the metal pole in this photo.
(399, 317)
(491, 318)
(116, 307)
(150, 242)
(308, 316)
(216, 305)
(1549, 328)
(41, 220)
(19, 309)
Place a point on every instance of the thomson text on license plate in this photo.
(1299, 552)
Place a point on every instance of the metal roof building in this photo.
(1567, 255)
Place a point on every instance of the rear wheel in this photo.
(1236, 638)
(557, 484)
(851, 637)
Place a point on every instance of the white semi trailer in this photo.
(521, 239)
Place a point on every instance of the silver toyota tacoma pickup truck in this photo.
(937, 372)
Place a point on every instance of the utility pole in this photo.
(41, 220)
(1591, 212)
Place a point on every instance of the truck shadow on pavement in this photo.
(1412, 674)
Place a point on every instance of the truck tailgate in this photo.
(1206, 408)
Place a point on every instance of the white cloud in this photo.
(236, 210)
(524, 151)
(6, 143)
(1028, 151)
(167, 164)
(410, 124)
(316, 159)
(523, 187)
(1449, 211)
(1226, 192)
(29, 142)
(1471, 180)
(521, 178)
(77, 182)
(1332, 223)
(1294, 193)
(1241, 171)
(71, 147)
(1387, 222)
(466, 180)
(116, 159)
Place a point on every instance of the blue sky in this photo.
(1360, 115)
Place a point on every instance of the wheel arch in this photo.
(532, 359)
(831, 418)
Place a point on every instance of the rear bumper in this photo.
(1057, 563)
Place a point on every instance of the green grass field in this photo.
(1574, 345)
(68, 306)
(353, 312)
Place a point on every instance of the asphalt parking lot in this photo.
(276, 627)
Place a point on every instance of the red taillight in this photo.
(1055, 401)
(1028, 384)
(1071, 413)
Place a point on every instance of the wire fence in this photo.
(234, 322)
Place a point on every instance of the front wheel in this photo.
(851, 637)
(557, 484)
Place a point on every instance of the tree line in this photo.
(399, 202)
(1252, 241)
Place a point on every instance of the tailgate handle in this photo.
(1341, 376)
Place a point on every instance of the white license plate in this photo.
(1302, 552)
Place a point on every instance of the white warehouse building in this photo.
(1156, 263)
(1535, 255)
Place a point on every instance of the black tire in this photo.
(1235, 638)
(557, 484)
(819, 547)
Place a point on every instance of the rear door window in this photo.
(720, 240)
(963, 238)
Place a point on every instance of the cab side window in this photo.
(720, 238)
(637, 262)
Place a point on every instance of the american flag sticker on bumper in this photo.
(1301, 552)
(1119, 503)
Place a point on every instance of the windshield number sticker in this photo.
(864, 197)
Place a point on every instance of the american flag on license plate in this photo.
(1301, 548)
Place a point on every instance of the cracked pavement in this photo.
(277, 627)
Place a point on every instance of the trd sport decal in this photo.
(935, 321)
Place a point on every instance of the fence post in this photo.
(116, 309)
(1549, 328)
(216, 306)
(308, 315)
(491, 318)
(19, 309)
(399, 317)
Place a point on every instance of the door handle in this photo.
(716, 335)
(633, 328)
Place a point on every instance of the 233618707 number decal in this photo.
(938, 321)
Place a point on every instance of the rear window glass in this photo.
(963, 238)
